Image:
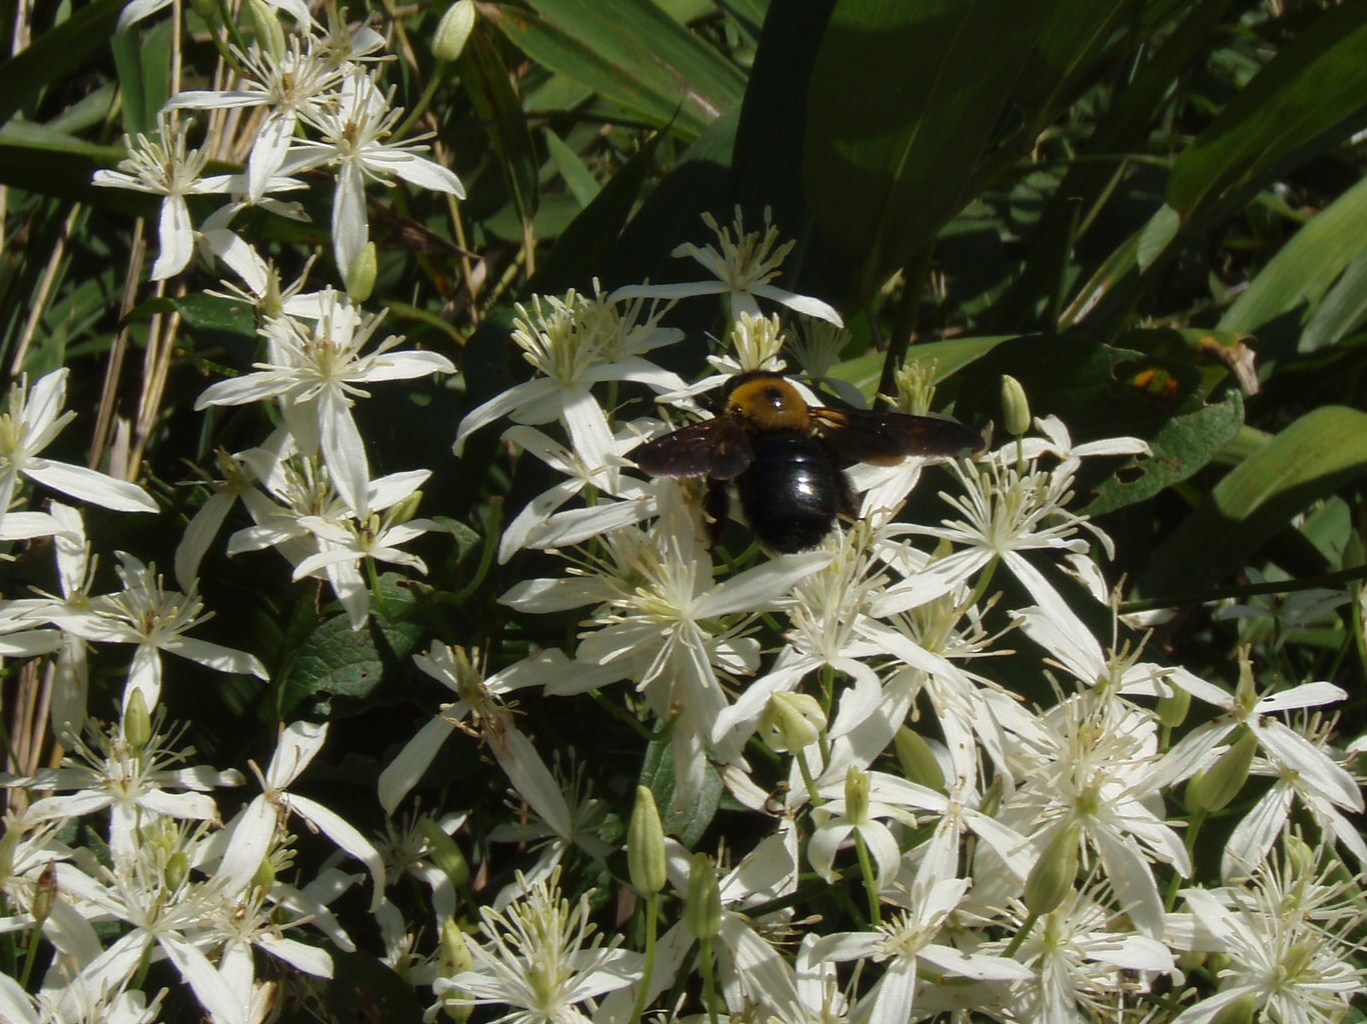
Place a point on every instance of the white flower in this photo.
(166, 166)
(299, 82)
(666, 625)
(1092, 759)
(137, 10)
(743, 266)
(254, 831)
(540, 960)
(911, 939)
(1292, 968)
(155, 619)
(539, 526)
(353, 139)
(33, 420)
(135, 786)
(575, 343)
(316, 372)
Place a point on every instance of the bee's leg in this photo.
(715, 507)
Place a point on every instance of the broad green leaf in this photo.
(1068, 47)
(1304, 269)
(1310, 460)
(578, 178)
(685, 821)
(56, 54)
(38, 160)
(945, 357)
(905, 100)
(1314, 84)
(336, 661)
(1089, 183)
(579, 250)
(496, 104)
(1185, 444)
(631, 53)
(143, 60)
(1343, 310)
(766, 167)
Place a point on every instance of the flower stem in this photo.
(870, 882)
(709, 984)
(652, 923)
(1021, 933)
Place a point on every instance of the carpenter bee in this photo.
(783, 456)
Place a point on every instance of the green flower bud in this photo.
(454, 30)
(1215, 787)
(1172, 709)
(646, 844)
(703, 899)
(1238, 1011)
(206, 9)
(791, 721)
(360, 276)
(455, 959)
(445, 852)
(264, 879)
(1052, 877)
(270, 34)
(856, 795)
(918, 760)
(137, 722)
(177, 870)
(1015, 407)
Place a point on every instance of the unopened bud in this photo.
(360, 276)
(206, 9)
(1052, 877)
(444, 852)
(137, 721)
(177, 870)
(918, 760)
(455, 959)
(1238, 1011)
(646, 844)
(1173, 707)
(270, 34)
(791, 721)
(856, 795)
(454, 30)
(264, 879)
(1212, 789)
(703, 901)
(1015, 407)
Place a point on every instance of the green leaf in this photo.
(946, 357)
(336, 661)
(496, 104)
(1342, 311)
(631, 53)
(583, 244)
(39, 160)
(1303, 269)
(905, 100)
(685, 821)
(578, 178)
(57, 54)
(1185, 444)
(1315, 84)
(1308, 461)
(1068, 47)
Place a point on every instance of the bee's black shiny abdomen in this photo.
(792, 491)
